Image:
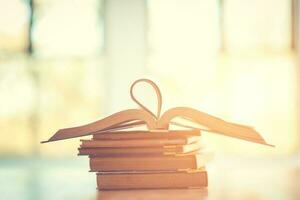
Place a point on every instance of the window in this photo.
(238, 55)
(257, 26)
(60, 80)
(13, 26)
(67, 28)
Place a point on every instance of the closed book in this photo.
(142, 163)
(139, 142)
(118, 135)
(125, 151)
(152, 180)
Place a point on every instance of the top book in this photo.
(162, 134)
(134, 117)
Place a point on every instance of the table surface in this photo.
(229, 178)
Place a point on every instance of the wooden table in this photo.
(229, 178)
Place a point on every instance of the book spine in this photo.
(152, 181)
(144, 163)
(132, 143)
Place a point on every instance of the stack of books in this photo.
(147, 159)
(158, 157)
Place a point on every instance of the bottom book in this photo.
(152, 180)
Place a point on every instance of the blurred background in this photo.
(64, 63)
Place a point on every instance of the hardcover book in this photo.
(152, 180)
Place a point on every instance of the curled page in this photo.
(111, 122)
(214, 124)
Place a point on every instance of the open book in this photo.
(134, 117)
